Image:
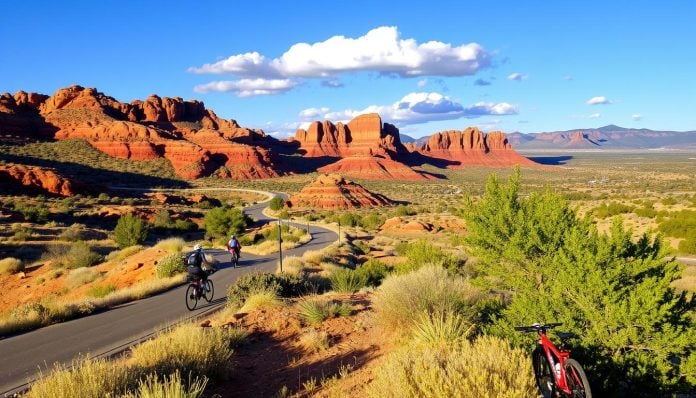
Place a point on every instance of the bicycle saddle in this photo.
(565, 335)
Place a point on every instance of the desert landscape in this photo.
(388, 249)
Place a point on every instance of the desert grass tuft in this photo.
(292, 265)
(171, 245)
(314, 311)
(188, 349)
(119, 255)
(261, 299)
(315, 340)
(402, 298)
(86, 378)
(347, 281)
(169, 387)
(10, 265)
(488, 367)
(81, 276)
(441, 328)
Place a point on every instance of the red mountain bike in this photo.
(556, 373)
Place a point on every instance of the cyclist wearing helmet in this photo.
(194, 262)
(234, 247)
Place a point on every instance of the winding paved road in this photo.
(110, 332)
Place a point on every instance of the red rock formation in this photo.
(364, 135)
(334, 192)
(36, 178)
(471, 147)
(144, 130)
(401, 226)
(374, 168)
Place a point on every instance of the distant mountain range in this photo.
(607, 137)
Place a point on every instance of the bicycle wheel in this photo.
(576, 379)
(191, 297)
(543, 372)
(208, 290)
(235, 260)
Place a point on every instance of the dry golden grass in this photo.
(120, 255)
(171, 245)
(85, 378)
(488, 367)
(261, 299)
(154, 386)
(314, 340)
(402, 298)
(292, 265)
(10, 265)
(687, 281)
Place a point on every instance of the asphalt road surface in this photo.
(112, 331)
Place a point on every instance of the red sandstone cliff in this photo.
(334, 192)
(35, 179)
(471, 147)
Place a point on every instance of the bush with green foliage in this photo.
(170, 265)
(37, 213)
(276, 203)
(346, 280)
(422, 252)
(372, 221)
(222, 222)
(611, 209)
(681, 224)
(402, 210)
(78, 255)
(283, 285)
(130, 230)
(101, 291)
(73, 233)
(373, 271)
(637, 333)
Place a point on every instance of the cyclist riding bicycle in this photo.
(194, 262)
(234, 247)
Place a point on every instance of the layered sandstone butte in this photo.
(364, 135)
(471, 147)
(332, 191)
(374, 168)
(195, 140)
(36, 179)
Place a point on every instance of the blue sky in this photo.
(512, 66)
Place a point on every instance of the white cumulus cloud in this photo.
(637, 116)
(422, 83)
(248, 87)
(419, 107)
(601, 100)
(380, 50)
(516, 76)
(594, 116)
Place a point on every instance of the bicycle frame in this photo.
(555, 356)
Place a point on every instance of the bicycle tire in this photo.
(235, 260)
(208, 290)
(191, 297)
(576, 379)
(543, 374)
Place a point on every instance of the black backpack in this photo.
(193, 259)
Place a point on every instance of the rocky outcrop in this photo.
(36, 179)
(401, 226)
(374, 168)
(471, 147)
(194, 139)
(364, 135)
(335, 192)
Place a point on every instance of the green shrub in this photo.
(283, 285)
(276, 203)
(669, 201)
(372, 221)
(561, 269)
(11, 265)
(688, 245)
(75, 255)
(488, 367)
(22, 233)
(612, 209)
(170, 265)
(349, 219)
(225, 221)
(185, 226)
(347, 281)
(402, 298)
(284, 215)
(361, 246)
(33, 213)
(401, 211)
(647, 211)
(374, 271)
(101, 291)
(422, 252)
(73, 233)
(678, 224)
(441, 327)
(130, 230)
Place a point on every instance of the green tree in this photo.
(225, 221)
(277, 203)
(637, 334)
(130, 230)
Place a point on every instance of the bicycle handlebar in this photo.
(537, 327)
